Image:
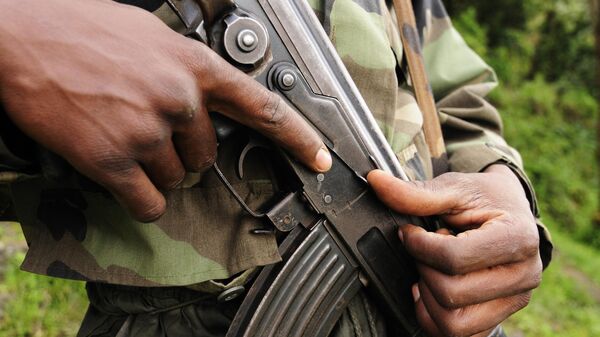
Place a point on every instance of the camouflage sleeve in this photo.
(460, 81)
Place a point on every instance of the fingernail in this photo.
(374, 173)
(323, 160)
(416, 293)
(401, 235)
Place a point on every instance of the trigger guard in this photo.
(253, 143)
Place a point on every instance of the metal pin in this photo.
(247, 40)
(288, 80)
(262, 231)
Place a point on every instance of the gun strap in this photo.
(413, 52)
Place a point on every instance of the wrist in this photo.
(504, 170)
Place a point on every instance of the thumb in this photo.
(420, 198)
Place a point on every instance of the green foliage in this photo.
(547, 67)
(554, 129)
(549, 102)
(474, 34)
(565, 49)
(534, 37)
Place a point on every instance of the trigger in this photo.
(252, 144)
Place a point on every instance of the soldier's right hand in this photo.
(124, 99)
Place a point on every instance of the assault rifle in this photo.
(339, 238)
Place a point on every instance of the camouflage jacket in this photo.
(75, 230)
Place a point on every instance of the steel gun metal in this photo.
(339, 237)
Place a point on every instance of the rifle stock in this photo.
(340, 237)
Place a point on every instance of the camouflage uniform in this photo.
(76, 230)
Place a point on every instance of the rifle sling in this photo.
(413, 52)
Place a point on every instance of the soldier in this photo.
(124, 99)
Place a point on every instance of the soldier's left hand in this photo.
(472, 281)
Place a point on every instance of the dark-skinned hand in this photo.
(472, 281)
(124, 99)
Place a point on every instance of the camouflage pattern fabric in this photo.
(76, 230)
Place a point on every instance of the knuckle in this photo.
(521, 301)
(530, 244)
(205, 60)
(183, 88)
(175, 180)
(535, 282)
(206, 161)
(210, 69)
(455, 269)
(535, 279)
(532, 274)
(523, 240)
(177, 97)
(448, 297)
(200, 162)
(112, 165)
(148, 138)
(272, 112)
(151, 210)
(539, 266)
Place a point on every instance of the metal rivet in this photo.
(320, 177)
(286, 79)
(287, 219)
(247, 40)
(328, 199)
(231, 294)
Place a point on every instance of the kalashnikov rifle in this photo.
(339, 237)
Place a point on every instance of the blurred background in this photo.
(546, 54)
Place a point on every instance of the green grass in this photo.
(33, 305)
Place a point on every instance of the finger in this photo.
(421, 198)
(443, 231)
(126, 180)
(483, 285)
(490, 245)
(163, 166)
(243, 99)
(423, 316)
(196, 143)
(428, 324)
(471, 320)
